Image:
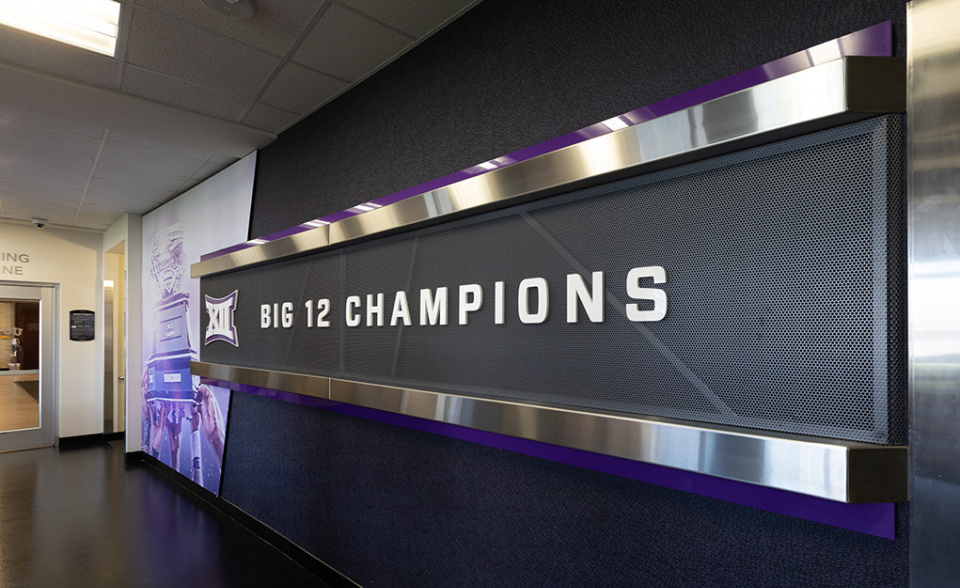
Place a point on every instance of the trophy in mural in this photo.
(169, 393)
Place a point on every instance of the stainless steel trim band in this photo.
(827, 468)
(312, 240)
(829, 94)
(306, 385)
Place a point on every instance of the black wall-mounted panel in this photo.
(783, 267)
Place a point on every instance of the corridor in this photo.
(83, 518)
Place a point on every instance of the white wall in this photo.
(129, 230)
(74, 261)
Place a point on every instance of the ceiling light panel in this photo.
(88, 24)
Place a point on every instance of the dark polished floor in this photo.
(83, 518)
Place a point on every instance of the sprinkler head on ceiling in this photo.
(235, 9)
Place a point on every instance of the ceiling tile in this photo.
(25, 172)
(13, 201)
(130, 190)
(152, 145)
(19, 134)
(43, 208)
(298, 89)
(347, 45)
(177, 49)
(222, 159)
(51, 57)
(187, 184)
(414, 18)
(27, 210)
(91, 213)
(138, 177)
(145, 159)
(206, 170)
(46, 122)
(58, 216)
(134, 205)
(274, 28)
(182, 94)
(16, 155)
(177, 52)
(268, 118)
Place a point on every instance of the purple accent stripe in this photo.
(876, 519)
(875, 41)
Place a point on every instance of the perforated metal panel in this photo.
(784, 277)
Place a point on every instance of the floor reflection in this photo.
(82, 517)
(19, 401)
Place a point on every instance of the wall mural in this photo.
(184, 420)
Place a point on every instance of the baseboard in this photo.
(287, 547)
(89, 440)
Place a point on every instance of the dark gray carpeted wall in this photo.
(393, 507)
(389, 506)
(513, 73)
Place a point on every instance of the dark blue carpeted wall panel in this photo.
(389, 506)
(514, 73)
(393, 507)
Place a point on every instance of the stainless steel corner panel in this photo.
(825, 95)
(933, 150)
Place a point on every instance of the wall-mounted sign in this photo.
(82, 325)
(759, 289)
(13, 263)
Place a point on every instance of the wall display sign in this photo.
(717, 288)
(758, 289)
(82, 325)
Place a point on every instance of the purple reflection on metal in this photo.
(875, 41)
(290, 397)
(225, 250)
(876, 519)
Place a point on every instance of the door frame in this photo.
(46, 434)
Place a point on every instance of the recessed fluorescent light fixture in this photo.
(88, 24)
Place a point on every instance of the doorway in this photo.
(27, 405)
(114, 339)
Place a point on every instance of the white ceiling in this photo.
(85, 138)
